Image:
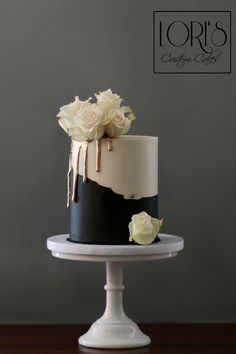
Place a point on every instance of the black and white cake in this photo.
(112, 178)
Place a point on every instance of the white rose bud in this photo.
(118, 124)
(88, 124)
(143, 228)
(108, 100)
(67, 113)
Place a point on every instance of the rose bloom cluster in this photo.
(86, 121)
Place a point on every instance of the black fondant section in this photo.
(101, 216)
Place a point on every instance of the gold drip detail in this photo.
(98, 155)
(109, 144)
(68, 181)
(85, 158)
(74, 160)
(75, 167)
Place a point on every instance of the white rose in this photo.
(69, 110)
(108, 100)
(143, 228)
(87, 124)
(118, 124)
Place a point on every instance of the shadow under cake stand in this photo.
(114, 329)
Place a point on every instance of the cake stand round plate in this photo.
(62, 248)
(114, 329)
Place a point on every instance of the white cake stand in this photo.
(114, 329)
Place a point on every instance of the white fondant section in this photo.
(130, 169)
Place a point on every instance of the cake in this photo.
(112, 181)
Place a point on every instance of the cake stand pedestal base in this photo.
(114, 329)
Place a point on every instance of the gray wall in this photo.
(53, 50)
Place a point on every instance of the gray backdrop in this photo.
(51, 51)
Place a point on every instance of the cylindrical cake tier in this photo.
(119, 183)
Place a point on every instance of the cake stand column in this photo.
(114, 287)
(114, 329)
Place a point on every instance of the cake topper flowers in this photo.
(86, 121)
(143, 229)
